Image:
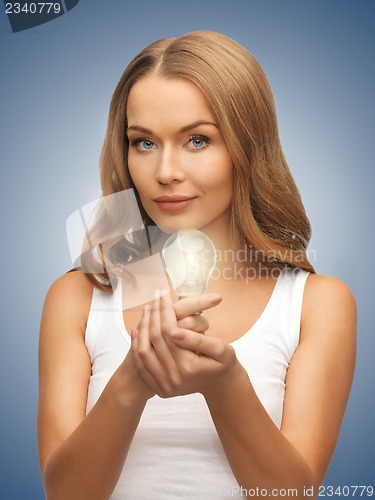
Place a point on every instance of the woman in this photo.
(159, 401)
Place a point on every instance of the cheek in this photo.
(220, 180)
(133, 168)
(136, 178)
(221, 168)
(141, 188)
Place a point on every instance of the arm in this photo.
(80, 457)
(317, 388)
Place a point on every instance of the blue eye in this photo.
(142, 144)
(147, 144)
(198, 142)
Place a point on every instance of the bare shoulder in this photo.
(71, 284)
(69, 298)
(330, 301)
(326, 293)
(327, 286)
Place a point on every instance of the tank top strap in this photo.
(288, 304)
(104, 307)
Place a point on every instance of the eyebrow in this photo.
(191, 126)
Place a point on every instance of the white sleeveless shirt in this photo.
(176, 451)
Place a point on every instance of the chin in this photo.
(171, 226)
(170, 230)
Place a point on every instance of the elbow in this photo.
(51, 483)
(308, 484)
(298, 484)
(47, 480)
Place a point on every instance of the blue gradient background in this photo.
(56, 83)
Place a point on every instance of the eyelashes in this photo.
(142, 141)
(199, 141)
(194, 143)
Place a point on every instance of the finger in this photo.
(154, 325)
(196, 323)
(208, 346)
(145, 354)
(145, 375)
(193, 305)
(143, 327)
(162, 320)
(134, 339)
(168, 318)
(167, 313)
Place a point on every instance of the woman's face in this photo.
(178, 160)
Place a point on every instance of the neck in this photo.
(232, 262)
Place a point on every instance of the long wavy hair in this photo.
(267, 214)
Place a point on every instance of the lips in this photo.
(174, 203)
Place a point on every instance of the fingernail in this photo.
(156, 294)
(163, 292)
(178, 335)
(215, 298)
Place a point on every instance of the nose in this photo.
(169, 169)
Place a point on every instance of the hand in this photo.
(173, 361)
(185, 312)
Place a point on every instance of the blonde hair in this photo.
(267, 214)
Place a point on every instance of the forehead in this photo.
(160, 99)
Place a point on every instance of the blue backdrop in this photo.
(56, 83)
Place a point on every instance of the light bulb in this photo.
(189, 257)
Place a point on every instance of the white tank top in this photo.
(176, 451)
